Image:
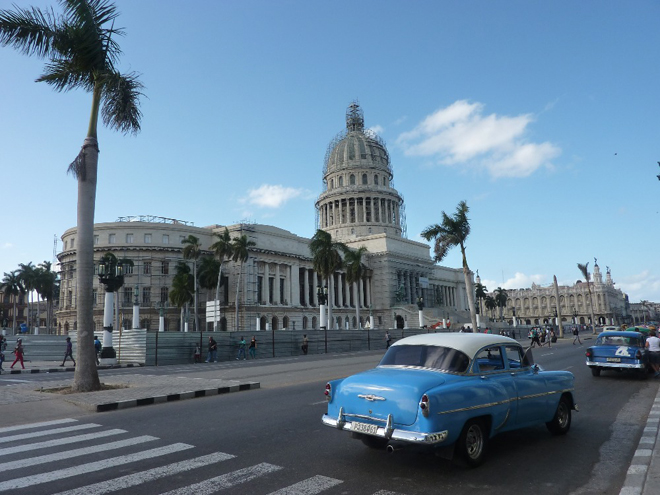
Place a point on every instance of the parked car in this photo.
(450, 393)
(619, 351)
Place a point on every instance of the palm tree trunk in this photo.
(469, 290)
(217, 300)
(197, 329)
(86, 377)
(357, 304)
(238, 292)
(591, 307)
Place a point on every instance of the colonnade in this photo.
(408, 280)
(361, 209)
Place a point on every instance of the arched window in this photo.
(304, 322)
(376, 179)
(262, 323)
(354, 322)
(352, 180)
(365, 180)
(285, 322)
(313, 322)
(275, 324)
(332, 183)
(341, 181)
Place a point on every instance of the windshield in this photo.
(619, 340)
(426, 356)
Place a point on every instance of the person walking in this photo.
(241, 349)
(535, 337)
(97, 348)
(213, 351)
(388, 339)
(253, 348)
(305, 344)
(197, 354)
(653, 346)
(3, 346)
(576, 333)
(68, 352)
(18, 351)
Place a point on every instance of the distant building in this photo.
(359, 206)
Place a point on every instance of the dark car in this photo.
(619, 351)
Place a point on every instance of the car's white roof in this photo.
(469, 343)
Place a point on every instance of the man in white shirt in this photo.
(653, 346)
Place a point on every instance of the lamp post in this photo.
(515, 322)
(322, 295)
(111, 275)
(162, 306)
(136, 307)
(420, 307)
(575, 315)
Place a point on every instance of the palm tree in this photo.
(28, 276)
(490, 304)
(454, 231)
(224, 250)
(326, 260)
(12, 286)
(355, 271)
(192, 251)
(501, 298)
(480, 292)
(209, 269)
(585, 273)
(240, 247)
(47, 286)
(81, 53)
(183, 288)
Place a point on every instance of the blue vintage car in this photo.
(450, 393)
(619, 351)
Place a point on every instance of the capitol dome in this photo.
(358, 198)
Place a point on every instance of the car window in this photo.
(618, 340)
(489, 359)
(426, 356)
(516, 357)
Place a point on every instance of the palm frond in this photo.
(63, 75)
(121, 99)
(585, 270)
(31, 31)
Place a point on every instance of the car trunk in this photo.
(382, 391)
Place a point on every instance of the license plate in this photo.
(365, 428)
(613, 360)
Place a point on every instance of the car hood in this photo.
(382, 391)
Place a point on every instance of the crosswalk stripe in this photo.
(226, 480)
(37, 479)
(55, 431)
(69, 454)
(59, 441)
(37, 425)
(132, 480)
(311, 486)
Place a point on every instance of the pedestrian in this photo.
(388, 339)
(213, 351)
(305, 344)
(535, 337)
(197, 355)
(18, 352)
(241, 349)
(653, 345)
(253, 348)
(69, 352)
(576, 333)
(3, 346)
(553, 337)
(97, 348)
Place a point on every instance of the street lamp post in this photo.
(575, 315)
(162, 306)
(420, 306)
(136, 307)
(322, 295)
(111, 275)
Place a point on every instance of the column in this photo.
(276, 285)
(264, 289)
(368, 286)
(306, 298)
(295, 284)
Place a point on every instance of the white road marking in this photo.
(14, 380)
(59, 441)
(37, 425)
(55, 431)
(226, 480)
(319, 402)
(310, 486)
(132, 480)
(38, 479)
(68, 454)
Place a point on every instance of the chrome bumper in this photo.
(598, 364)
(388, 431)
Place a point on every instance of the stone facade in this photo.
(359, 206)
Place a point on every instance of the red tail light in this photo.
(328, 391)
(424, 405)
(589, 353)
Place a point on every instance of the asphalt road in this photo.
(272, 439)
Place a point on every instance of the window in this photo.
(73, 242)
(164, 294)
(112, 239)
(352, 180)
(516, 356)
(365, 180)
(96, 240)
(341, 181)
(147, 268)
(166, 239)
(376, 179)
(489, 359)
(147, 238)
(129, 238)
(332, 183)
(128, 269)
(426, 356)
(146, 296)
(165, 268)
(95, 296)
(128, 296)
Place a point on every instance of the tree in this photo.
(182, 290)
(240, 247)
(82, 54)
(454, 231)
(209, 269)
(28, 276)
(480, 292)
(223, 250)
(12, 286)
(48, 288)
(355, 271)
(192, 251)
(501, 298)
(490, 304)
(585, 273)
(326, 260)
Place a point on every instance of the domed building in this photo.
(359, 206)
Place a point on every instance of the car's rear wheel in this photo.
(595, 371)
(374, 442)
(561, 423)
(471, 445)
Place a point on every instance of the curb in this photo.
(145, 401)
(67, 368)
(640, 479)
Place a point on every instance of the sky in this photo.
(542, 116)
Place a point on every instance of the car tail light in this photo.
(589, 353)
(328, 391)
(424, 405)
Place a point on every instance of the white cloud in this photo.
(461, 133)
(518, 281)
(378, 129)
(272, 196)
(6, 245)
(641, 286)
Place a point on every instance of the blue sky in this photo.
(543, 116)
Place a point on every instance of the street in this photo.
(271, 440)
